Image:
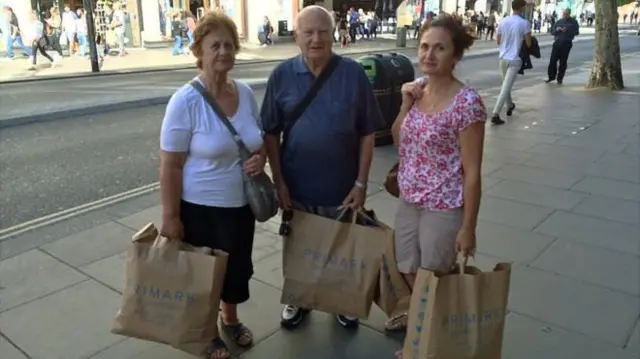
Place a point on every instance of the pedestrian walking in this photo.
(191, 27)
(512, 32)
(82, 32)
(38, 42)
(177, 30)
(201, 175)
(328, 129)
(343, 32)
(491, 25)
(14, 35)
(52, 32)
(118, 20)
(69, 28)
(565, 30)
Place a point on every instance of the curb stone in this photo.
(96, 109)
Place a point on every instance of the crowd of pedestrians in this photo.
(55, 31)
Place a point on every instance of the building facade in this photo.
(149, 21)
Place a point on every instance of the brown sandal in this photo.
(240, 334)
(217, 349)
(397, 323)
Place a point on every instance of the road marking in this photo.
(54, 218)
(75, 211)
(627, 93)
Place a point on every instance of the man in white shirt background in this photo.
(512, 31)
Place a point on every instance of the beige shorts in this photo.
(426, 239)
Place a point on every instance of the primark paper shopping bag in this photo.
(172, 292)
(332, 266)
(459, 315)
(393, 293)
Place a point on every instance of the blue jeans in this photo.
(190, 37)
(82, 40)
(177, 45)
(18, 40)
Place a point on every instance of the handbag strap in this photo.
(301, 107)
(244, 151)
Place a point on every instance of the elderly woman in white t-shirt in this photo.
(201, 179)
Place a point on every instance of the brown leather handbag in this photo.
(391, 182)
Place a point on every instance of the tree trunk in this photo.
(607, 67)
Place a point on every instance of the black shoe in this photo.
(559, 81)
(549, 80)
(292, 316)
(510, 109)
(347, 322)
(496, 120)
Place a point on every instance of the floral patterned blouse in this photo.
(430, 173)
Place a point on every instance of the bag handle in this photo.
(244, 151)
(462, 263)
(354, 214)
(301, 107)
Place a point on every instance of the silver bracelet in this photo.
(360, 185)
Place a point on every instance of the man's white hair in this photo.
(318, 11)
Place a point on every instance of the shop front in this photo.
(278, 12)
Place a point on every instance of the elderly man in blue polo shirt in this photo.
(324, 107)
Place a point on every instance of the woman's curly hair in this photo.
(461, 36)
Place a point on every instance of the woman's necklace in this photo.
(435, 100)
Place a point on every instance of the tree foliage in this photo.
(607, 66)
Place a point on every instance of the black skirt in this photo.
(227, 229)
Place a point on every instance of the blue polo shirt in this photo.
(321, 157)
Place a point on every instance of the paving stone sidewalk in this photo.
(561, 201)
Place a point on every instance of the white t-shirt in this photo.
(212, 174)
(512, 29)
(69, 21)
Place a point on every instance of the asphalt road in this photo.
(51, 96)
(51, 166)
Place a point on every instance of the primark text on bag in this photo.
(458, 315)
(332, 266)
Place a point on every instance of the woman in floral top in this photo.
(440, 133)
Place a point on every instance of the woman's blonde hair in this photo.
(211, 22)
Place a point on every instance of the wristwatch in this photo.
(360, 185)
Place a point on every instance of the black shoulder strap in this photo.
(301, 107)
(244, 151)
